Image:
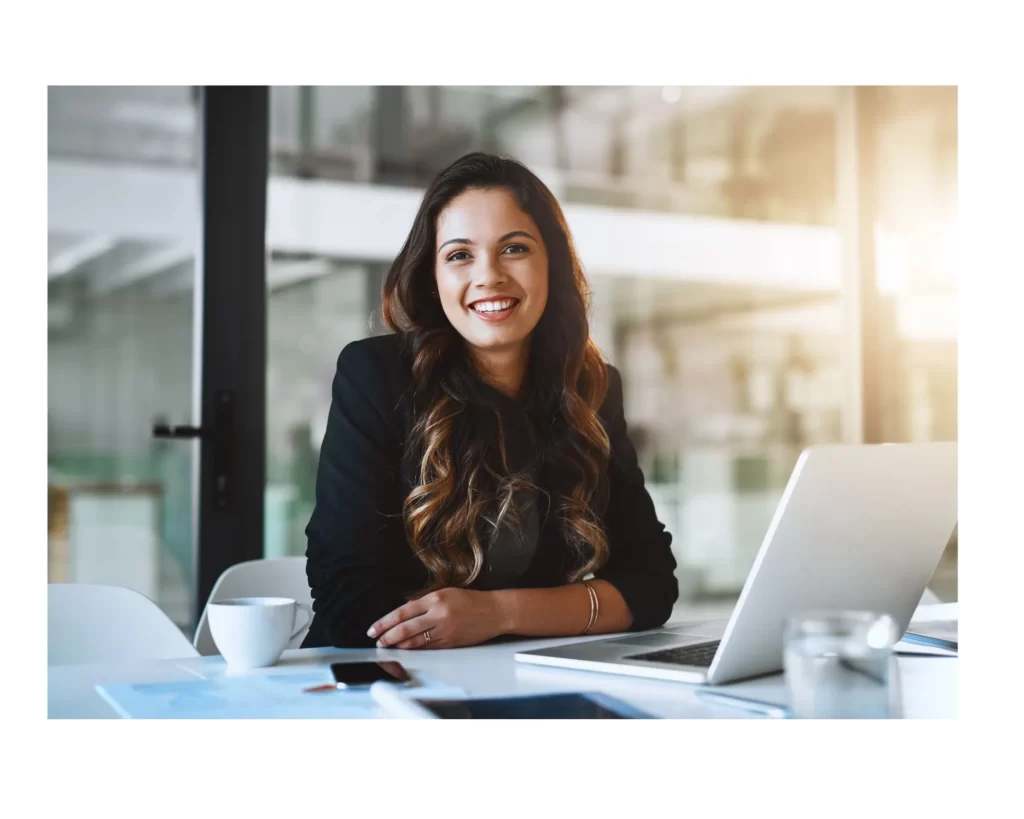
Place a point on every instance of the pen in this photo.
(325, 687)
(392, 699)
(768, 709)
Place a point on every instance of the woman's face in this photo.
(491, 268)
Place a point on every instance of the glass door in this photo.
(124, 223)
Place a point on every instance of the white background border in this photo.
(675, 768)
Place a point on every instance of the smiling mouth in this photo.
(494, 308)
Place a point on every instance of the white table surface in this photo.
(928, 685)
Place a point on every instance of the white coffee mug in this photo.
(252, 632)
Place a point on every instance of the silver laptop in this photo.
(858, 527)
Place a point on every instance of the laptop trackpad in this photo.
(658, 640)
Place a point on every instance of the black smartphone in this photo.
(357, 675)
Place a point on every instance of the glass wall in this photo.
(728, 337)
(917, 180)
(706, 218)
(123, 221)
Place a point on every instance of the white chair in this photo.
(277, 577)
(88, 623)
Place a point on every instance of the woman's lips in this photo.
(499, 315)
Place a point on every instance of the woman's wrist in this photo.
(561, 611)
(504, 610)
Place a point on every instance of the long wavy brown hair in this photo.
(466, 491)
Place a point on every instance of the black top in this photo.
(508, 557)
(359, 564)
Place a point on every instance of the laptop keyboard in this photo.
(699, 655)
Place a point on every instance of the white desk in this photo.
(928, 685)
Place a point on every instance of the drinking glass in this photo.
(840, 665)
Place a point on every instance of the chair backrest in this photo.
(97, 624)
(277, 577)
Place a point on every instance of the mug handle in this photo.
(302, 607)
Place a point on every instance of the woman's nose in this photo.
(488, 272)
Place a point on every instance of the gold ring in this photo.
(426, 636)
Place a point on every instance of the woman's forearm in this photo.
(561, 611)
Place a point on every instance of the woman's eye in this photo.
(516, 249)
(458, 256)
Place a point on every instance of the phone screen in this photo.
(543, 706)
(359, 674)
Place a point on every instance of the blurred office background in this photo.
(708, 220)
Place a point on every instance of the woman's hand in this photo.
(446, 618)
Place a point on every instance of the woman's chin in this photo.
(496, 341)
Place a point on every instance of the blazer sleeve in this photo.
(358, 505)
(640, 563)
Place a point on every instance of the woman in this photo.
(475, 470)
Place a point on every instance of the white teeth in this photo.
(493, 306)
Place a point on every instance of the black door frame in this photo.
(231, 342)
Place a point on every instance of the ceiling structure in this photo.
(731, 152)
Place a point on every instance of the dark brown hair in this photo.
(457, 441)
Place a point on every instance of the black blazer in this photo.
(359, 563)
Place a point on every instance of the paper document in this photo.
(905, 647)
(930, 637)
(940, 629)
(263, 696)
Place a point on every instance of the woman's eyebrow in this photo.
(504, 238)
(455, 241)
(510, 234)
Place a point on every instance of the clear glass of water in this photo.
(840, 665)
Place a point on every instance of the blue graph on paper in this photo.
(274, 696)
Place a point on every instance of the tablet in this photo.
(545, 706)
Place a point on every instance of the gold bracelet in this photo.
(590, 619)
(595, 607)
(597, 604)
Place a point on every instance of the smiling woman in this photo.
(475, 477)
(493, 288)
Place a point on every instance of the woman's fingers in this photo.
(403, 613)
(420, 641)
(404, 632)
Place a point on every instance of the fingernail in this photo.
(371, 633)
(380, 644)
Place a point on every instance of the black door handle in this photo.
(223, 438)
(166, 431)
